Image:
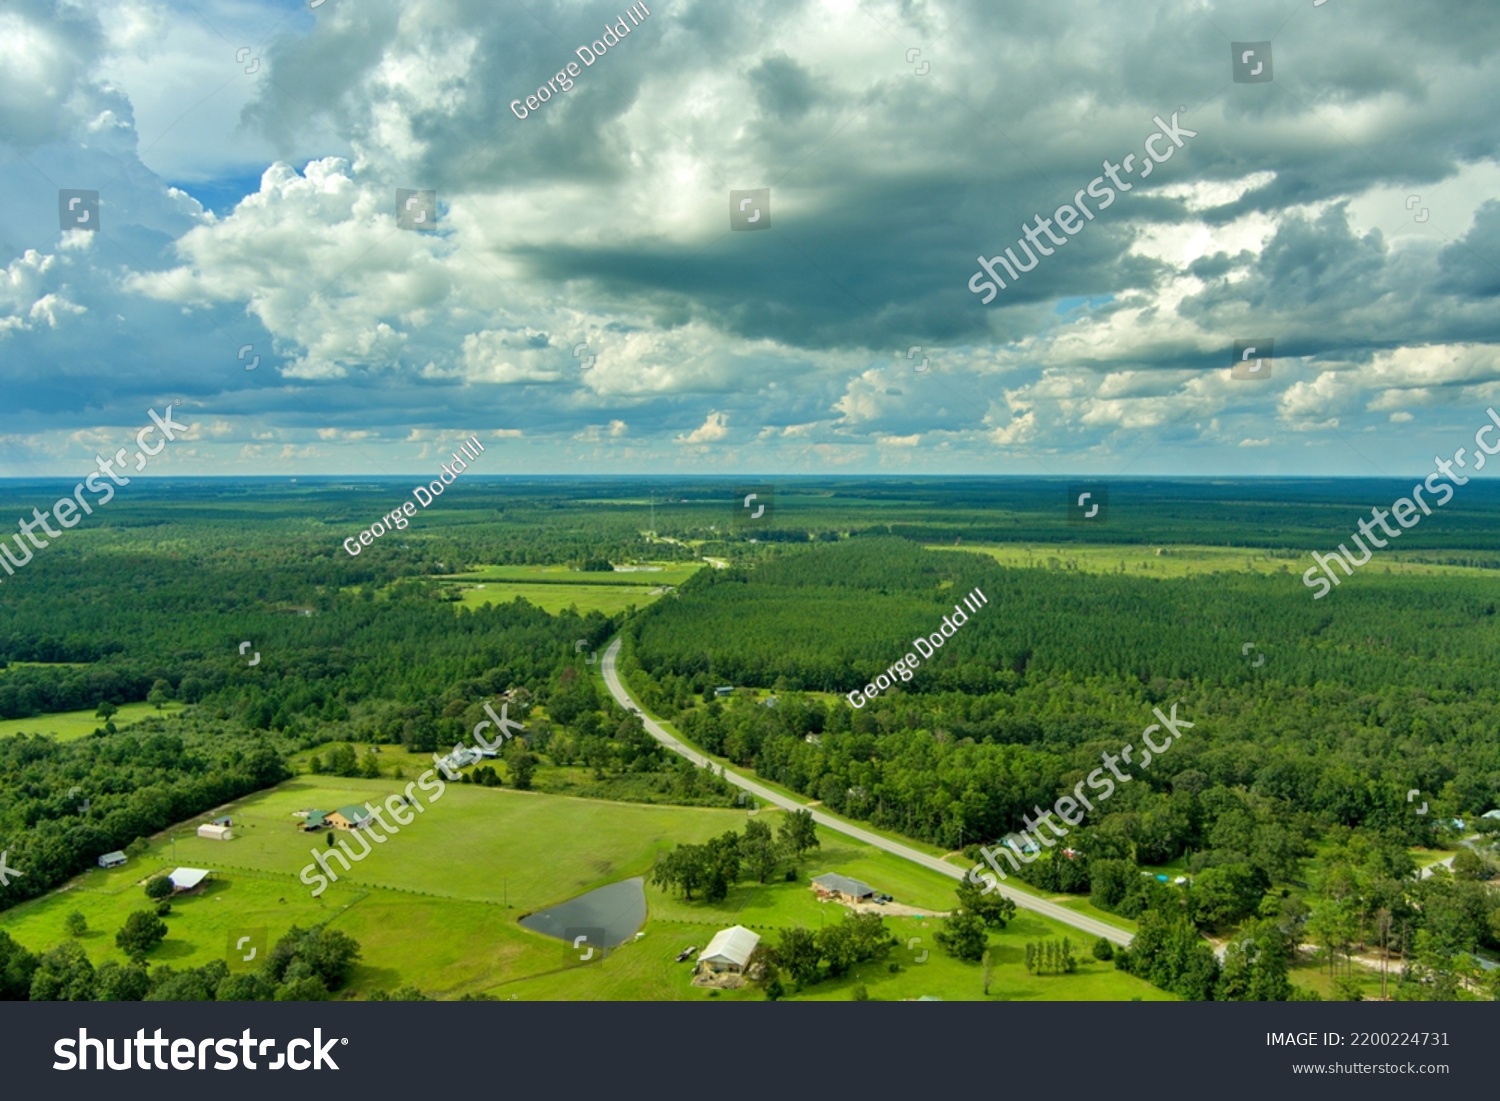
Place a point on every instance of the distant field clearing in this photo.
(68, 726)
(1167, 560)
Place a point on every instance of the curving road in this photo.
(1025, 901)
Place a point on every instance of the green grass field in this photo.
(68, 726)
(556, 588)
(1183, 560)
(555, 598)
(649, 574)
(437, 905)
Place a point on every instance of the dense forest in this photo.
(1287, 800)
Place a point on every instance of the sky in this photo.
(583, 303)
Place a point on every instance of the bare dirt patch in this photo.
(892, 909)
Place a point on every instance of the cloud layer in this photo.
(579, 295)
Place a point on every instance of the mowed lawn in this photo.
(67, 726)
(429, 907)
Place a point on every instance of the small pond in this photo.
(618, 910)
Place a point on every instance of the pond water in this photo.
(618, 910)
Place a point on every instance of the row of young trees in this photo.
(1052, 956)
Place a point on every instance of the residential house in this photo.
(349, 818)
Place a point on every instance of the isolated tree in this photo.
(521, 764)
(798, 833)
(75, 924)
(141, 932)
(341, 761)
(989, 971)
(994, 909)
(369, 764)
(158, 887)
(106, 710)
(1103, 949)
(161, 693)
(963, 935)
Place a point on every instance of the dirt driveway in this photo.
(893, 909)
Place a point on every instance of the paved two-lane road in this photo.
(1027, 902)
